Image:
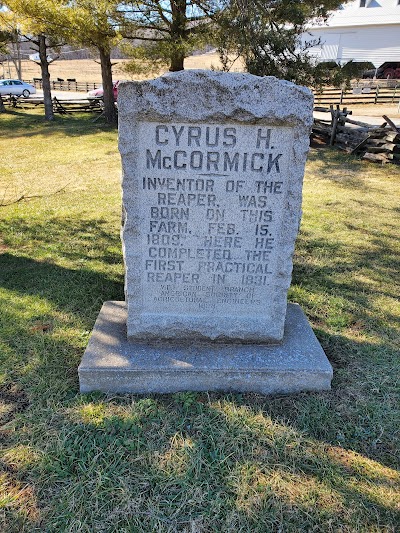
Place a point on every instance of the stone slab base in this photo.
(112, 364)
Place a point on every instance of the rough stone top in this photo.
(213, 166)
(230, 96)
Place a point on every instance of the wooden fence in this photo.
(66, 85)
(62, 106)
(362, 94)
(358, 95)
(380, 144)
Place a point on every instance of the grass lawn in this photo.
(190, 462)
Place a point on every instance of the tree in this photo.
(41, 22)
(269, 36)
(94, 23)
(10, 36)
(4, 42)
(3, 50)
(15, 46)
(87, 22)
(167, 31)
(4, 39)
(331, 73)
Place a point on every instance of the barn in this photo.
(361, 30)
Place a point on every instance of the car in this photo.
(17, 88)
(96, 94)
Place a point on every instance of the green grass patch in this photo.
(189, 462)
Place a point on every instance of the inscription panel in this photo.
(212, 199)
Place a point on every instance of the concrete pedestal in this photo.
(112, 364)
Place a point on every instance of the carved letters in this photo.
(212, 199)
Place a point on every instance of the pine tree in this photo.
(269, 37)
(167, 30)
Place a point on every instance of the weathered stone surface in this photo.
(212, 179)
(113, 364)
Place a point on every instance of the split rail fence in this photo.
(380, 144)
(61, 106)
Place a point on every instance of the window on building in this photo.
(363, 3)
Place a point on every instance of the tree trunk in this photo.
(2, 106)
(110, 112)
(16, 47)
(178, 34)
(44, 65)
(177, 60)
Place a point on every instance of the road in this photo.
(62, 95)
(368, 119)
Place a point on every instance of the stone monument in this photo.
(213, 168)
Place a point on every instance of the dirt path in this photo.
(371, 110)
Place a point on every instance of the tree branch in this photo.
(30, 196)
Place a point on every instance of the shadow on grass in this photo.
(196, 462)
(342, 169)
(184, 462)
(193, 462)
(354, 279)
(16, 124)
(47, 313)
(76, 296)
(79, 291)
(76, 239)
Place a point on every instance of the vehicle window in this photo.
(17, 82)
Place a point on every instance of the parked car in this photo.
(17, 88)
(96, 94)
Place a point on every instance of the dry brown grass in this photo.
(377, 110)
(88, 70)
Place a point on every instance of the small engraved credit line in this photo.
(214, 174)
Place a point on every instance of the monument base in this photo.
(112, 364)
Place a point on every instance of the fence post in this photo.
(376, 94)
(336, 115)
(341, 97)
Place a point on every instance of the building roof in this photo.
(363, 13)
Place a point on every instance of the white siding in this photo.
(370, 43)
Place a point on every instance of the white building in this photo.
(361, 30)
